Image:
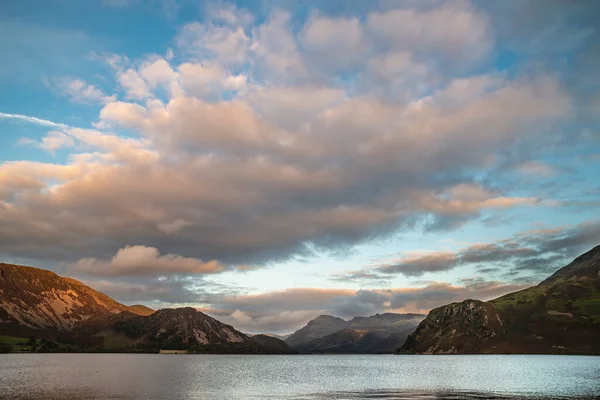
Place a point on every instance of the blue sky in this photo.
(268, 162)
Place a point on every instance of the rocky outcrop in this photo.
(559, 316)
(467, 327)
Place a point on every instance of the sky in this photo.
(271, 161)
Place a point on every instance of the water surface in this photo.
(316, 377)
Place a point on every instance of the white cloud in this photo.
(276, 49)
(157, 72)
(455, 30)
(54, 141)
(128, 115)
(135, 87)
(334, 43)
(32, 120)
(209, 80)
(81, 92)
(142, 260)
(174, 226)
(227, 45)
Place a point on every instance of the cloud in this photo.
(276, 49)
(333, 42)
(53, 141)
(456, 31)
(540, 252)
(331, 172)
(205, 81)
(537, 168)
(157, 72)
(174, 226)
(32, 120)
(226, 44)
(135, 87)
(143, 260)
(82, 92)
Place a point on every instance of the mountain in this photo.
(321, 326)
(380, 333)
(185, 329)
(561, 315)
(33, 299)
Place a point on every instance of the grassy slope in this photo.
(19, 344)
(562, 315)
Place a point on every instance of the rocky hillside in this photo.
(180, 327)
(33, 299)
(380, 333)
(559, 316)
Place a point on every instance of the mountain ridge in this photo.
(378, 333)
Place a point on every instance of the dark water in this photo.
(175, 377)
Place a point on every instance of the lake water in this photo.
(175, 377)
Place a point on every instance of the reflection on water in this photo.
(428, 395)
(182, 377)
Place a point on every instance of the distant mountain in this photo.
(380, 333)
(321, 326)
(559, 316)
(33, 300)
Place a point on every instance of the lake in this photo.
(310, 377)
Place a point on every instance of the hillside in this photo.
(140, 309)
(380, 333)
(561, 315)
(33, 299)
(184, 328)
